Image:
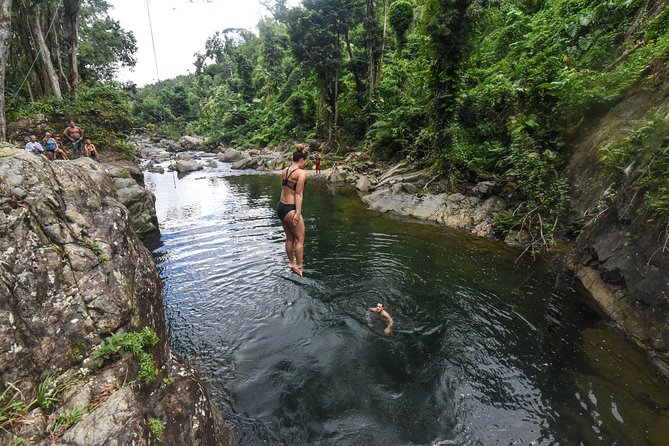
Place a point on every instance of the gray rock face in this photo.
(185, 166)
(363, 184)
(72, 271)
(132, 193)
(243, 164)
(190, 142)
(455, 210)
(230, 155)
(627, 272)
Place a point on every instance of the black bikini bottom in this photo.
(283, 209)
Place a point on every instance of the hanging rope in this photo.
(153, 42)
(34, 61)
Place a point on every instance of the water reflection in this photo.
(486, 350)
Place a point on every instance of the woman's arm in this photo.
(299, 190)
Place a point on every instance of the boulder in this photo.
(243, 163)
(185, 166)
(230, 155)
(363, 184)
(486, 189)
(454, 210)
(410, 188)
(132, 193)
(339, 177)
(190, 142)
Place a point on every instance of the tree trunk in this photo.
(28, 55)
(383, 42)
(71, 16)
(371, 50)
(5, 35)
(52, 77)
(54, 40)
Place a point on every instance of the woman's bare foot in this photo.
(295, 269)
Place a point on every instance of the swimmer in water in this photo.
(383, 313)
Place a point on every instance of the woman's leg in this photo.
(289, 241)
(298, 231)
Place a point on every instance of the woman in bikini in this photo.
(293, 179)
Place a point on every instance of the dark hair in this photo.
(298, 155)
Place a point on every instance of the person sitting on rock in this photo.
(61, 154)
(33, 146)
(90, 150)
(333, 171)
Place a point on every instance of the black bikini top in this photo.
(290, 184)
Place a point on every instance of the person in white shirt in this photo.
(33, 146)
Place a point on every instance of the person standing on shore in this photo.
(317, 161)
(289, 209)
(74, 135)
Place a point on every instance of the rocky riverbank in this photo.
(83, 352)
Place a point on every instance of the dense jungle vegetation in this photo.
(474, 89)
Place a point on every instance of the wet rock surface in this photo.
(72, 271)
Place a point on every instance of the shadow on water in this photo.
(486, 350)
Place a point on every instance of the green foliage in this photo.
(95, 246)
(640, 162)
(102, 111)
(15, 404)
(65, 420)
(156, 427)
(105, 46)
(400, 18)
(479, 90)
(135, 343)
(504, 222)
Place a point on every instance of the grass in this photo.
(157, 428)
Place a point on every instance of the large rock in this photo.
(243, 164)
(454, 210)
(190, 142)
(72, 271)
(230, 155)
(363, 184)
(132, 193)
(185, 166)
(620, 262)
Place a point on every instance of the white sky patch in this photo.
(180, 29)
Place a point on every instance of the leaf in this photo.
(571, 28)
(585, 42)
(585, 20)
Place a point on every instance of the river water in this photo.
(487, 348)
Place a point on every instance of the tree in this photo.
(400, 16)
(105, 47)
(316, 33)
(5, 34)
(72, 8)
(45, 54)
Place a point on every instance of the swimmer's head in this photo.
(379, 307)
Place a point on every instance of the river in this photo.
(488, 348)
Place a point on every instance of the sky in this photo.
(180, 29)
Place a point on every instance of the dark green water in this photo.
(488, 349)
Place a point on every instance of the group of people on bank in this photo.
(289, 211)
(52, 146)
